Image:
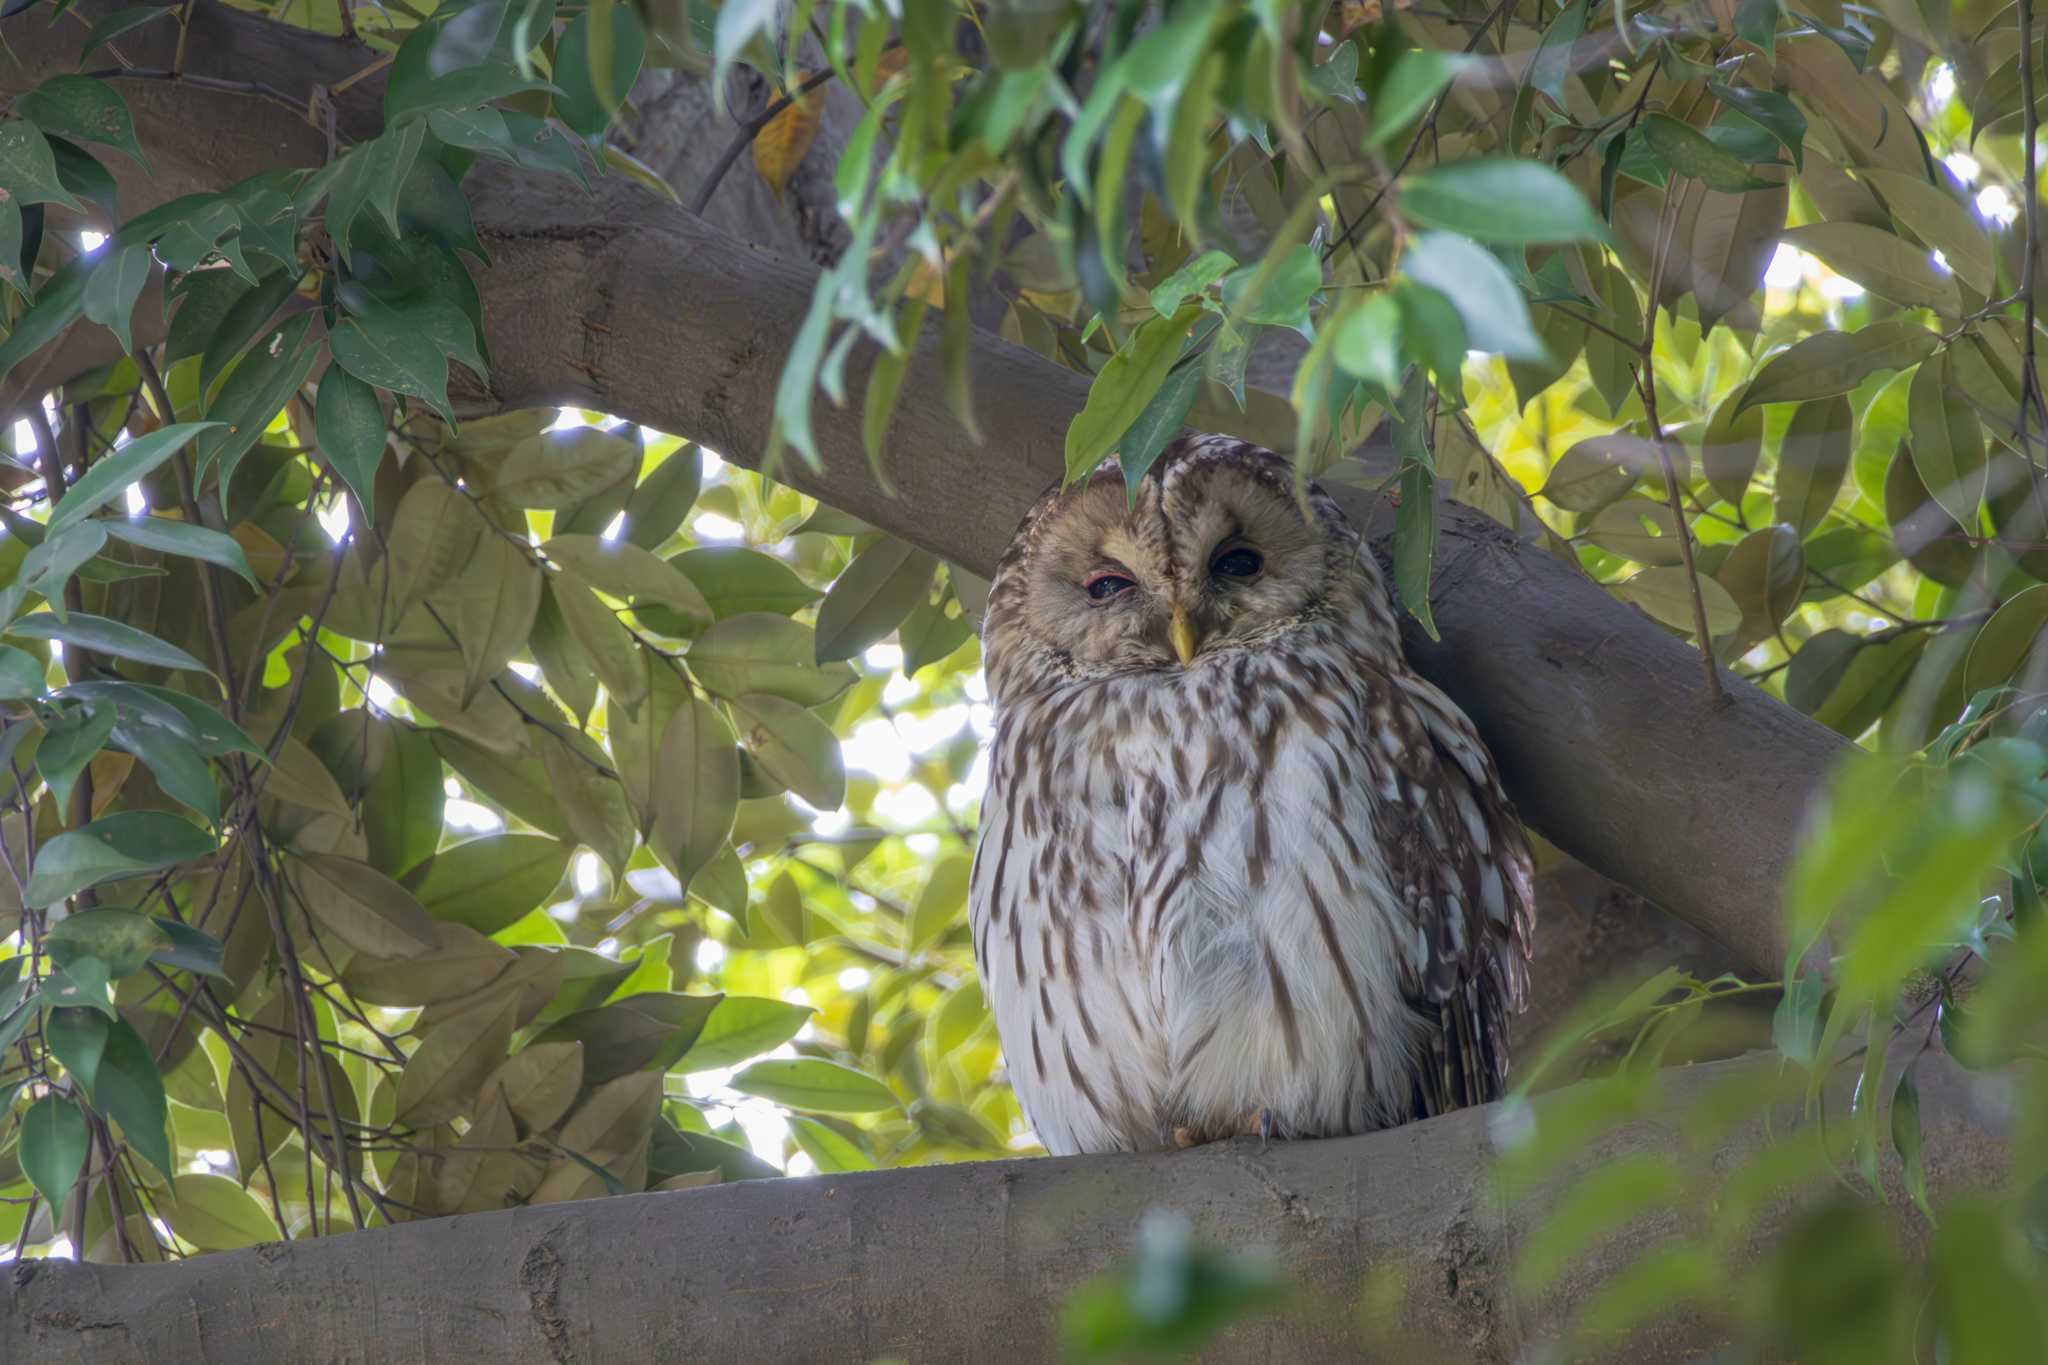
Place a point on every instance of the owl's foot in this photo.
(1256, 1123)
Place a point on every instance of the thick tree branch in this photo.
(1604, 729)
(941, 1263)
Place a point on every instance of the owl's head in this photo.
(1217, 554)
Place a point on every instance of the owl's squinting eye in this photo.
(1240, 561)
(1103, 586)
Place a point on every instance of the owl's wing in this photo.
(1462, 872)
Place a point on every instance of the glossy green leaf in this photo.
(743, 1026)
(110, 477)
(54, 1143)
(1469, 196)
(125, 844)
(879, 588)
(814, 1084)
(489, 882)
(1495, 316)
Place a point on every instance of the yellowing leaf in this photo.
(782, 142)
(442, 1077)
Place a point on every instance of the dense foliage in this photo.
(413, 816)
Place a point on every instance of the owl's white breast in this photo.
(1179, 909)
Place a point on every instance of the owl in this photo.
(1239, 871)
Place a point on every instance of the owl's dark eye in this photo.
(1104, 586)
(1238, 562)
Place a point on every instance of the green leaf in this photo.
(70, 739)
(932, 632)
(638, 1033)
(1941, 220)
(1157, 425)
(659, 503)
(1469, 197)
(54, 1142)
(1948, 442)
(116, 281)
(1416, 79)
(111, 26)
(1828, 363)
(177, 764)
(1756, 22)
(490, 882)
(1881, 262)
(559, 469)
(84, 109)
(129, 1089)
(1770, 111)
(361, 906)
(634, 575)
(1124, 388)
(736, 581)
(125, 844)
(1596, 471)
(444, 1073)
(1907, 1142)
(29, 169)
(189, 949)
(49, 566)
(110, 477)
(215, 1213)
(102, 636)
(1812, 460)
(1432, 333)
(817, 1085)
(1494, 313)
(349, 424)
(78, 1038)
(742, 1026)
(1733, 443)
(1191, 279)
(182, 538)
(796, 748)
(829, 1150)
(187, 717)
(249, 314)
(269, 374)
(1690, 152)
(21, 674)
(879, 588)
(1275, 291)
(757, 652)
(940, 902)
(389, 356)
(58, 304)
(1368, 341)
(592, 89)
(696, 787)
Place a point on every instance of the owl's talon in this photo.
(1265, 1127)
(1185, 1137)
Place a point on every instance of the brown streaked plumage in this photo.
(1254, 874)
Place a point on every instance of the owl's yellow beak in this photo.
(1182, 633)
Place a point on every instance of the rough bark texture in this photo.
(944, 1264)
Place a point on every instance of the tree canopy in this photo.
(490, 682)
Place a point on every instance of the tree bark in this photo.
(620, 302)
(947, 1263)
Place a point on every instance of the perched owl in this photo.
(1239, 870)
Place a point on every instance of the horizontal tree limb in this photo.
(620, 302)
(939, 1263)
